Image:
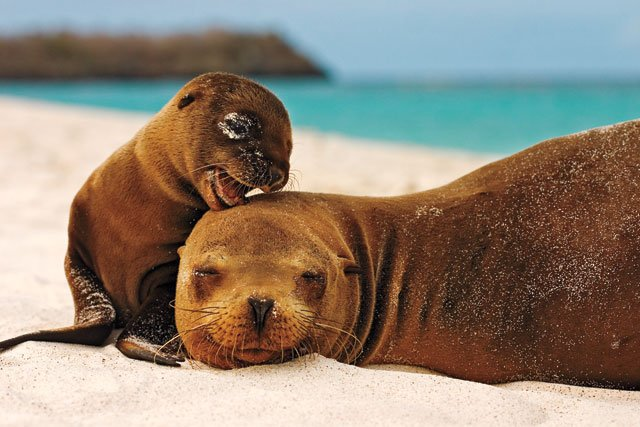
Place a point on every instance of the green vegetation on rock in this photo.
(72, 56)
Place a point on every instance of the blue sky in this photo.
(400, 39)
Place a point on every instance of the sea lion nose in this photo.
(261, 308)
(276, 178)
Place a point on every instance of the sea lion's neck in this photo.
(166, 166)
(379, 232)
(386, 235)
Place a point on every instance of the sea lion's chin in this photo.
(256, 356)
(222, 191)
(230, 357)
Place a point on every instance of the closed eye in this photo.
(310, 275)
(314, 277)
(240, 126)
(206, 272)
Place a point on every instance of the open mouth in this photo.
(226, 191)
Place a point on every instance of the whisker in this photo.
(217, 352)
(349, 334)
(204, 167)
(314, 316)
(213, 319)
(201, 310)
(177, 336)
(235, 341)
(294, 183)
(281, 348)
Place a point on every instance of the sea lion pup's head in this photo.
(257, 285)
(234, 136)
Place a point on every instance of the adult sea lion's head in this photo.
(232, 135)
(258, 285)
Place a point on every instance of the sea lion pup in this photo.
(526, 269)
(220, 136)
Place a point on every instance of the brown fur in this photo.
(220, 136)
(139, 206)
(526, 269)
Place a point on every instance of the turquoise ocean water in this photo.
(497, 118)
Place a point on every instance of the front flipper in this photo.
(152, 334)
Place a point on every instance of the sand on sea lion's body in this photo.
(46, 153)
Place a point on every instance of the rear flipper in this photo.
(95, 314)
(87, 334)
(152, 334)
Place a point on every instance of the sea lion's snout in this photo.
(232, 320)
(261, 308)
(277, 178)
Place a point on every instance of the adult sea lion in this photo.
(526, 269)
(220, 136)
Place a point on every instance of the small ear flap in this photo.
(186, 100)
(349, 266)
(180, 251)
(355, 269)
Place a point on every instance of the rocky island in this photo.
(66, 56)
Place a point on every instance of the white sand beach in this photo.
(46, 153)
